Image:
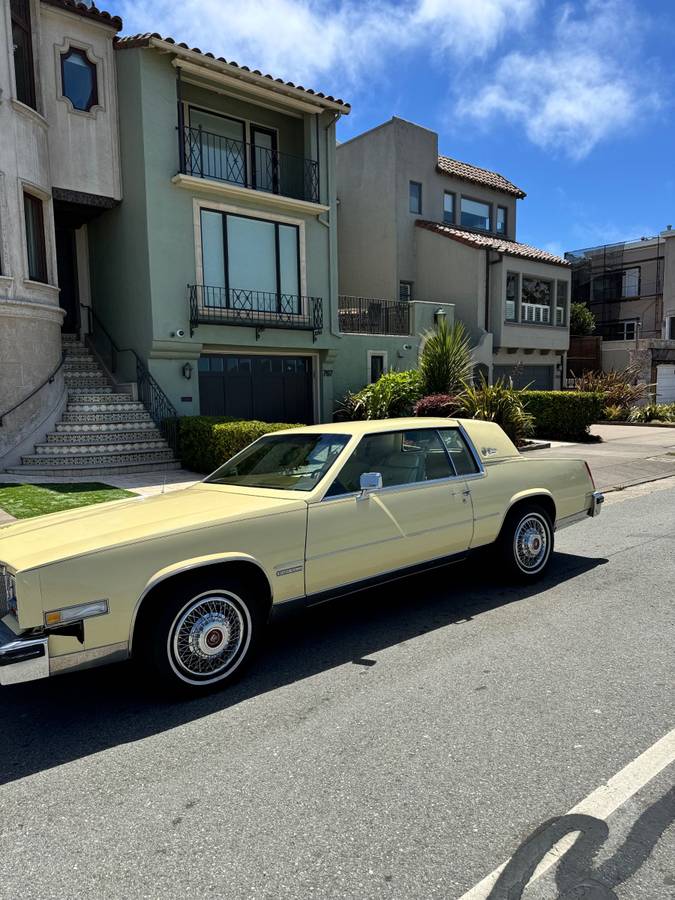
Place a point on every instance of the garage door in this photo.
(269, 388)
(665, 384)
(538, 378)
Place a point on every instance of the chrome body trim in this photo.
(22, 657)
(597, 499)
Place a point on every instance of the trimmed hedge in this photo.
(206, 442)
(563, 415)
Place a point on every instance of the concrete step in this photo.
(109, 428)
(100, 458)
(98, 438)
(67, 451)
(121, 417)
(90, 470)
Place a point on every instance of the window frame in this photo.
(670, 328)
(41, 274)
(453, 197)
(624, 295)
(417, 184)
(25, 25)
(410, 285)
(516, 300)
(73, 49)
(505, 210)
(487, 203)
(384, 355)
(480, 473)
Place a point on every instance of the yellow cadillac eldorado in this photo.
(185, 582)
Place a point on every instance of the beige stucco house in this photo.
(414, 225)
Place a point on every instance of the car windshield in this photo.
(285, 462)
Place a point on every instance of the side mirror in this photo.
(369, 482)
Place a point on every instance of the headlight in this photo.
(7, 593)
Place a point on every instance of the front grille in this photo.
(7, 592)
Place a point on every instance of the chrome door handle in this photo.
(466, 493)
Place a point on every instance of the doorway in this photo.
(66, 262)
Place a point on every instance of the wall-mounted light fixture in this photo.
(439, 315)
(187, 371)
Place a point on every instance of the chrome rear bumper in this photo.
(598, 498)
(22, 657)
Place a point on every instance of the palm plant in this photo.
(501, 403)
(445, 360)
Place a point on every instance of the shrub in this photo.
(582, 320)
(393, 394)
(443, 405)
(615, 413)
(653, 412)
(620, 388)
(564, 415)
(206, 442)
(445, 360)
(501, 403)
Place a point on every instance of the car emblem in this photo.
(488, 451)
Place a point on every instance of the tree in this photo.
(582, 320)
(445, 360)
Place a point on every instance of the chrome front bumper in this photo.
(22, 657)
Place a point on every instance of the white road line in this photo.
(601, 804)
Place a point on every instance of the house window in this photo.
(416, 198)
(377, 364)
(35, 238)
(536, 296)
(608, 286)
(78, 79)
(24, 72)
(448, 208)
(511, 297)
(630, 286)
(670, 328)
(475, 214)
(501, 220)
(250, 263)
(621, 330)
(405, 290)
(561, 303)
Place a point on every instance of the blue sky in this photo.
(574, 102)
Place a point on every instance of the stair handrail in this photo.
(162, 411)
(48, 380)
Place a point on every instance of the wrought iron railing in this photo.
(48, 380)
(161, 410)
(213, 305)
(207, 155)
(367, 315)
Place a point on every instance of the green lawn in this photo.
(26, 500)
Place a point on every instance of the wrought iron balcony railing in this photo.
(212, 305)
(366, 315)
(207, 155)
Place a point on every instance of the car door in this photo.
(422, 512)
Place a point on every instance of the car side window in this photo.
(462, 458)
(401, 457)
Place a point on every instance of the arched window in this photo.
(78, 77)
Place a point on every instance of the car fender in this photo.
(187, 565)
(524, 495)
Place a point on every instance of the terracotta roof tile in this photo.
(144, 40)
(467, 172)
(89, 12)
(481, 241)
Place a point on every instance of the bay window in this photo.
(250, 263)
(35, 238)
(512, 296)
(535, 301)
(536, 296)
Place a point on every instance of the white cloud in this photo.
(347, 40)
(587, 84)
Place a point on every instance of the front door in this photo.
(421, 514)
(268, 388)
(66, 261)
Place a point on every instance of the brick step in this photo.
(60, 450)
(107, 469)
(99, 458)
(106, 405)
(89, 438)
(109, 428)
(123, 417)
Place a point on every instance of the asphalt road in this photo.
(401, 744)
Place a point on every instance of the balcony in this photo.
(364, 315)
(206, 155)
(212, 305)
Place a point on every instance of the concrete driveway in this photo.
(628, 454)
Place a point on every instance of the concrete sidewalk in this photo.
(627, 455)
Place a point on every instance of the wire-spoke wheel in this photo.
(526, 542)
(201, 630)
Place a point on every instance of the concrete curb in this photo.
(637, 424)
(630, 484)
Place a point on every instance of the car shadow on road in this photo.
(47, 723)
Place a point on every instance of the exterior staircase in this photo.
(101, 431)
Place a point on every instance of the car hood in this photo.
(57, 536)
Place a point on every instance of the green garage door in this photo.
(269, 388)
(538, 378)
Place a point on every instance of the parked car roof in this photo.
(374, 425)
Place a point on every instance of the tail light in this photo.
(590, 474)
